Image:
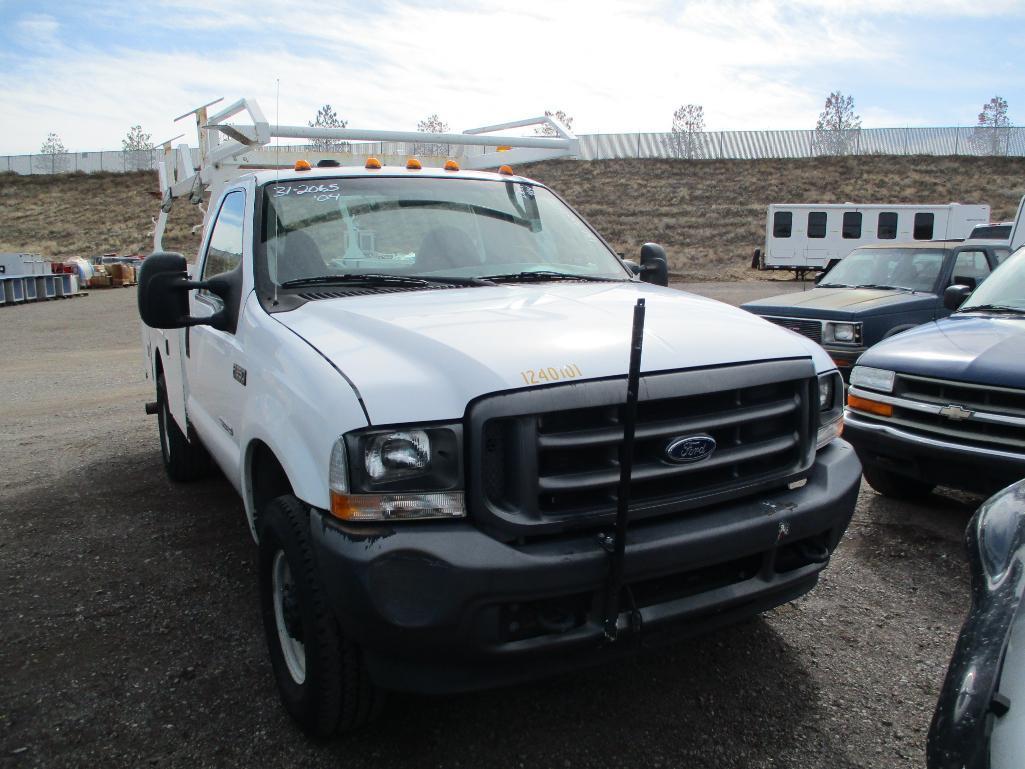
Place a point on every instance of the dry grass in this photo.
(89, 214)
(709, 214)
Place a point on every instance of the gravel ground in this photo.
(130, 632)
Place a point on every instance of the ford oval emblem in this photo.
(692, 448)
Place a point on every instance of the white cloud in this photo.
(613, 67)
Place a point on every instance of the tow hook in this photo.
(153, 407)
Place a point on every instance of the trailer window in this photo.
(923, 226)
(816, 224)
(852, 225)
(887, 227)
(782, 224)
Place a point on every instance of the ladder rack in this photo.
(228, 149)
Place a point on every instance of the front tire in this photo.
(320, 674)
(183, 461)
(891, 484)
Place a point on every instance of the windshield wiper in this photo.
(833, 285)
(994, 308)
(381, 278)
(541, 275)
(884, 287)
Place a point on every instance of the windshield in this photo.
(424, 227)
(915, 269)
(1004, 288)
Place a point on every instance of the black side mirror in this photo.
(164, 287)
(654, 265)
(819, 277)
(954, 296)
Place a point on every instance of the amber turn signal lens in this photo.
(413, 164)
(373, 163)
(451, 165)
(341, 507)
(302, 165)
(869, 406)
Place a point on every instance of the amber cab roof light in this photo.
(373, 163)
(302, 165)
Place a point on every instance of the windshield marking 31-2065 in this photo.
(456, 231)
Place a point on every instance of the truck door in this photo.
(215, 364)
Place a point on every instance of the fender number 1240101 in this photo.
(535, 376)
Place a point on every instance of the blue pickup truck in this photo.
(944, 403)
(879, 291)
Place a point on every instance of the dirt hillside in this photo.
(709, 214)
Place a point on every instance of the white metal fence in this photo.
(708, 145)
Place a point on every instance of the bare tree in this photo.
(547, 130)
(432, 124)
(836, 130)
(138, 149)
(328, 118)
(684, 140)
(993, 131)
(53, 156)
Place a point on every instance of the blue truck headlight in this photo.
(844, 333)
(872, 378)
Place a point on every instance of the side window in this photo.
(852, 225)
(782, 224)
(923, 226)
(887, 227)
(225, 249)
(816, 224)
(970, 268)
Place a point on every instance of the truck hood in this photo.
(968, 348)
(424, 355)
(840, 303)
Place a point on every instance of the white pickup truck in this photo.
(416, 379)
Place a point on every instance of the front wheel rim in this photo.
(285, 616)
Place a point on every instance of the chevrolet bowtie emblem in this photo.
(957, 413)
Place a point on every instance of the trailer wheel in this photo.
(183, 461)
(895, 485)
(320, 674)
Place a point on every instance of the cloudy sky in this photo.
(89, 70)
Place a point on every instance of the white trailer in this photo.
(810, 236)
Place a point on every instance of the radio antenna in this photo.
(277, 175)
(626, 459)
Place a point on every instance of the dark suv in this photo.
(878, 291)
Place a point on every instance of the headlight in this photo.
(397, 474)
(391, 456)
(872, 378)
(831, 399)
(844, 333)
